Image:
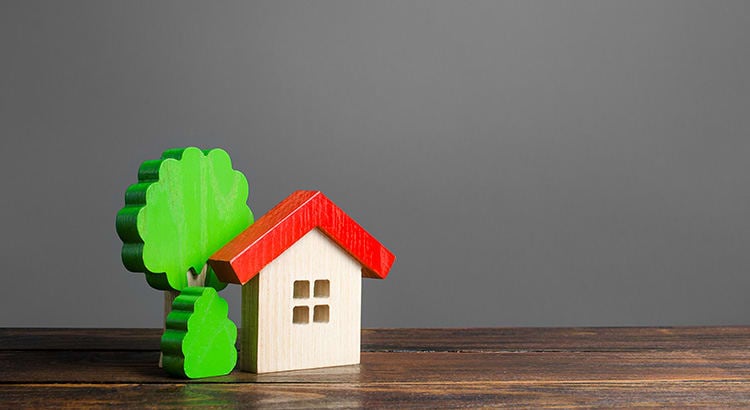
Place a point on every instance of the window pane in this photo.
(301, 314)
(322, 288)
(321, 314)
(301, 289)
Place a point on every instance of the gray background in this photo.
(529, 163)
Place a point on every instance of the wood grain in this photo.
(606, 339)
(442, 395)
(272, 341)
(404, 367)
(581, 339)
(428, 368)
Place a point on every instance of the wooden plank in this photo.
(428, 368)
(381, 367)
(424, 340)
(79, 339)
(717, 394)
(581, 339)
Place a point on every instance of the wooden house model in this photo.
(301, 266)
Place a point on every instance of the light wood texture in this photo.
(244, 256)
(401, 368)
(274, 338)
(198, 280)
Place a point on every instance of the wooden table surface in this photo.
(563, 367)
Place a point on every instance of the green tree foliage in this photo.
(199, 338)
(185, 206)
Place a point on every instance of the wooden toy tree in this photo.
(199, 338)
(185, 206)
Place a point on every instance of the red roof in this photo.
(262, 242)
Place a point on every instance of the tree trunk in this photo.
(194, 279)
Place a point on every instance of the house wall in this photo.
(274, 342)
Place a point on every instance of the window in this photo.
(320, 314)
(301, 289)
(301, 314)
(303, 303)
(322, 288)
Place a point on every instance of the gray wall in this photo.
(529, 163)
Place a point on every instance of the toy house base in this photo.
(302, 310)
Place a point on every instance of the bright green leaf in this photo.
(199, 338)
(184, 207)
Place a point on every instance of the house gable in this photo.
(243, 257)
